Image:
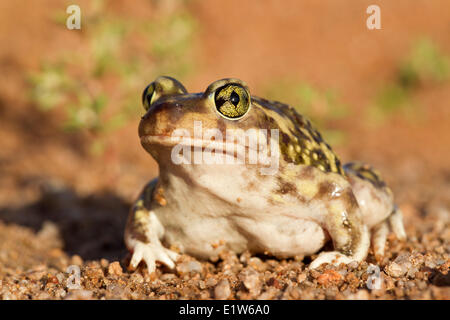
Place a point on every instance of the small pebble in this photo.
(395, 270)
(189, 266)
(104, 263)
(251, 280)
(79, 295)
(301, 277)
(115, 290)
(329, 277)
(222, 291)
(137, 278)
(115, 269)
(257, 264)
(210, 282)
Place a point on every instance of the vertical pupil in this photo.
(234, 98)
(147, 94)
(144, 94)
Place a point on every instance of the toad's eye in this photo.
(232, 101)
(147, 95)
(162, 87)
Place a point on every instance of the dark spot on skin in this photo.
(337, 162)
(349, 199)
(266, 122)
(285, 154)
(307, 173)
(287, 187)
(285, 138)
(299, 119)
(327, 166)
(303, 136)
(320, 155)
(316, 136)
(251, 186)
(325, 190)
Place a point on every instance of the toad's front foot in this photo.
(331, 257)
(150, 253)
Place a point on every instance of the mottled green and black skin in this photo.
(302, 144)
(365, 172)
(312, 193)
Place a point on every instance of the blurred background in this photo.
(70, 158)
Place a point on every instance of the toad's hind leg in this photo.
(377, 204)
(379, 236)
(381, 231)
(349, 234)
(396, 222)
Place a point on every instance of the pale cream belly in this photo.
(277, 235)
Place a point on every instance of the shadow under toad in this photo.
(91, 226)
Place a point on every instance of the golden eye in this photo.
(232, 101)
(162, 86)
(147, 95)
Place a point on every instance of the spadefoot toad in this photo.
(244, 173)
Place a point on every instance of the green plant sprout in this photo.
(98, 88)
(425, 65)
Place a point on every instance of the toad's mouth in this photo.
(233, 149)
